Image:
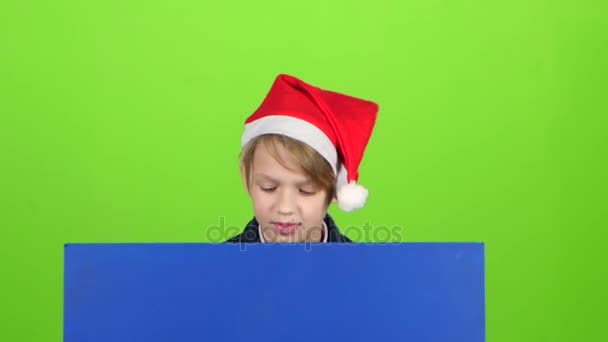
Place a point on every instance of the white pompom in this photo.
(352, 197)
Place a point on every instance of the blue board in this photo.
(274, 292)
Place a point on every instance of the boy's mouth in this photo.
(286, 228)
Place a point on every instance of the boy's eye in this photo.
(268, 189)
(307, 192)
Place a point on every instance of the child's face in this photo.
(287, 205)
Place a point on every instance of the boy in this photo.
(301, 151)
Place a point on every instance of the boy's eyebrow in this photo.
(267, 177)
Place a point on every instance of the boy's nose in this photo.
(286, 204)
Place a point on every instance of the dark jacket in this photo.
(251, 233)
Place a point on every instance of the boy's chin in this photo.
(289, 239)
(272, 234)
(300, 235)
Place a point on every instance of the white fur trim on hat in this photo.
(295, 128)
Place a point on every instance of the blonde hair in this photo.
(309, 161)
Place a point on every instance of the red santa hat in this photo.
(337, 126)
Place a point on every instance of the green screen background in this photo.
(121, 121)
